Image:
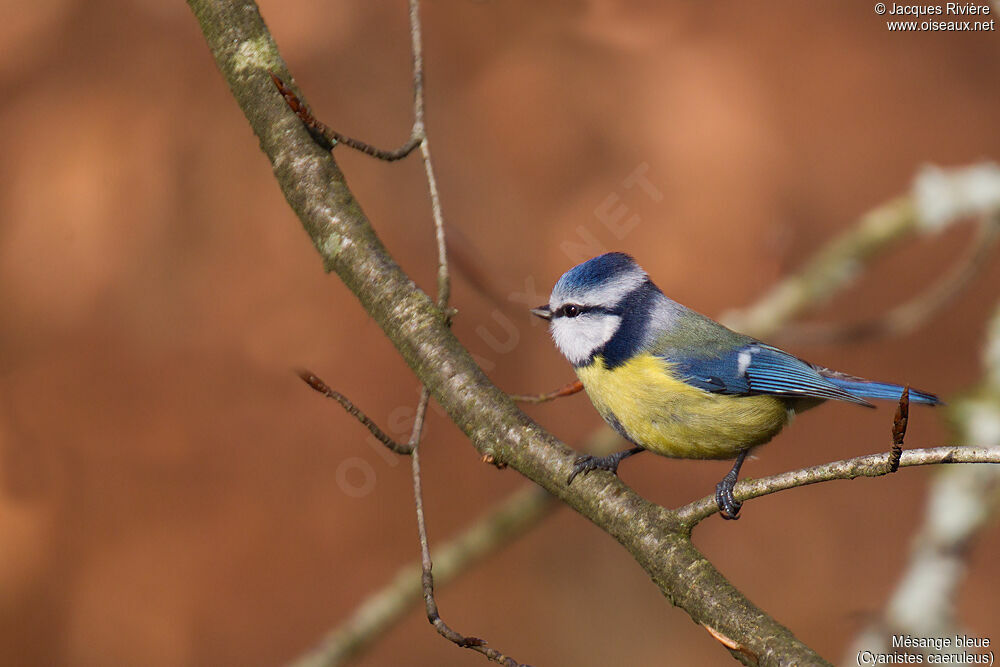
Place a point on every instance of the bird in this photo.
(675, 382)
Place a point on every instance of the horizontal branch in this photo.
(872, 465)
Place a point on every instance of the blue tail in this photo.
(881, 390)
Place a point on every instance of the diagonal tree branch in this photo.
(316, 190)
(387, 605)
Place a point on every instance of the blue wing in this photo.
(757, 368)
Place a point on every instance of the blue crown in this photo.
(595, 271)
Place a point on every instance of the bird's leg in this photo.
(585, 464)
(728, 507)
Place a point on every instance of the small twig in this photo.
(443, 294)
(566, 390)
(732, 645)
(328, 138)
(427, 565)
(872, 465)
(443, 278)
(427, 581)
(495, 529)
(316, 129)
(899, 429)
(514, 516)
(313, 381)
(372, 151)
(418, 419)
(419, 134)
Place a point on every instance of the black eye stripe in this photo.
(575, 310)
(570, 310)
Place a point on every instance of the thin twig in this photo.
(317, 130)
(418, 419)
(496, 528)
(372, 151)
(316, 383)
(499, 526)
(427, 565)
(418, 136)
(427, 581)
(417, 52)
(574, 387)
(420, 133)
(328, 138)
(443, 294)
(872, 465)
(443, 279)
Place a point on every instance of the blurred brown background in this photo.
(171, 494)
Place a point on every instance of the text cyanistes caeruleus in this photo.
(677, 383)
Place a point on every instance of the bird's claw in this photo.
(729, 508)
(586, 463)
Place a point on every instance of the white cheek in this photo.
(578, 337)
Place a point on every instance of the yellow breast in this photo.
(662, 413)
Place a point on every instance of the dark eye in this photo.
(571, 310)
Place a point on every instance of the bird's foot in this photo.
(587, 463)
(729, 508)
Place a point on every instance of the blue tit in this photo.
(677, 383)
